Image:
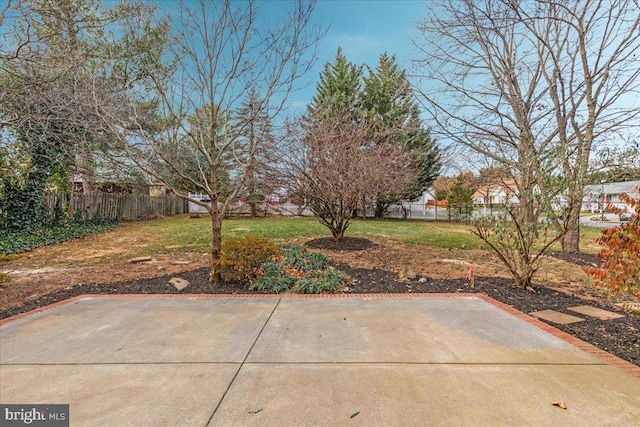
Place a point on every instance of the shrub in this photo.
(275, 284)
(295, 268)
(241, 259)
(297, 257)
(320, 281)
(620, 268)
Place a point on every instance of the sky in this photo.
(363, 29)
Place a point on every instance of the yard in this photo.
(434, 249)
(438, 253)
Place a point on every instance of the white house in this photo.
(611, 191)
(496, 194)
(428, 197)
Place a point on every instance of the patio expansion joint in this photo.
(351, 363)
(243, 362)
(431, 363)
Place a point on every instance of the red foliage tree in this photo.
(620, 253)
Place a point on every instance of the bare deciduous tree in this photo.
(341, 168)
(590, 54)
(532, 86)
(56, 57)
(548, 80)
(219, 51)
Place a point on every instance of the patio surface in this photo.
(280, 361)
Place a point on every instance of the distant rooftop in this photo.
(628, 187)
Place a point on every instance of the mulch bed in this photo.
(581, 259)
(618, 336)
(344, 244)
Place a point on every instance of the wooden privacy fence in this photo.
(116, 206)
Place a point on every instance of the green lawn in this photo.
(182, 234)
(429, 233)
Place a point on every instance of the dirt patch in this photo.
(26, 287)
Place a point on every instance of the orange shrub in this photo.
(620, 253)
(241, 258)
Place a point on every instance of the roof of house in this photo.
(508, 186)
(629, 187)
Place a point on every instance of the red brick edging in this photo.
(576, 342)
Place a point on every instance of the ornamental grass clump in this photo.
(272, 278)
(328, 280)
(294, 269)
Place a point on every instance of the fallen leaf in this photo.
(560, 404)
(354, 415)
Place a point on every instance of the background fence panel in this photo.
(115, 206)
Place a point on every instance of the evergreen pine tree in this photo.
(339, 88)
(391, 105)
(256, 150)
(384, 101)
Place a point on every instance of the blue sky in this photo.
(364, 30)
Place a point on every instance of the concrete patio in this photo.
(279, 361)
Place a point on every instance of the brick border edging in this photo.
(606, 357)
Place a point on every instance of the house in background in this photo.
(428, 197)
(594, 193)
(496, 194)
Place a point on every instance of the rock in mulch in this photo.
(179, 283)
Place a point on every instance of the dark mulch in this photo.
(579, 258)
(619, 336)
(344, 244)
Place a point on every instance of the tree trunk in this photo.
(216, 223)
(380, 210)
(216, 244)
(338, 228)
(571, 240)
(86, 170)
(525, 281)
